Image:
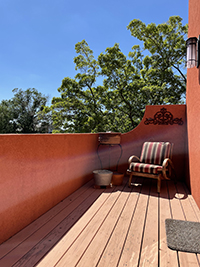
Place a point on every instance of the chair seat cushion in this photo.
(145, 168)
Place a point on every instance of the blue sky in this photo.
(38, 37)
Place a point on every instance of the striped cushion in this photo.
(155, 152)
(145, 168)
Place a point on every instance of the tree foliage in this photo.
(21, 113)
(7, 119)
(110, 93)
(166, 44)
(79, 109)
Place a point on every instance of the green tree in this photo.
(79, 109)
(124, 94)
(165, 64)
(129, 83)
(21, 113)
(7, 119)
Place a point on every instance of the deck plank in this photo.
(188, 210)
(149, 254)
(132, 248)
(93, 254)
(32, 244)
(192, 203)
(178, 213)
(105, 249)
(102, 226)
(168, 257)
(112, 249)
(17, 239)
(196, 211)
(187, 259)
(64, 244)
(116, 226)
(48, 242)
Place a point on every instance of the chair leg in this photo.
(130, 179)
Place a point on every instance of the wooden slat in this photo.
(100, 223)
(168, 257)
(187, 259)
(111, 247)
(44, 246)
(149, 253)
(33, 243)
(188, 210)
(196, 211)
(192, 203)
(178, 213)
(131, 250)
(118, 226)
(58, 251)
(17, 239)
(105, 248)
(104, 201)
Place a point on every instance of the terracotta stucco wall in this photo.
(193, 106)
(38, 171)
(175, 133)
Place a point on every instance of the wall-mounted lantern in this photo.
(192, 58)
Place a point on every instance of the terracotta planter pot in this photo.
(117, 178)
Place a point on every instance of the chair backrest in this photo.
(155, 152)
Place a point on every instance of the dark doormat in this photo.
(183, 235)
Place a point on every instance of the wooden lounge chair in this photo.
(154, 162)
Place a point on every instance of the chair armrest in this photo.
(133, 158)
(167, 166)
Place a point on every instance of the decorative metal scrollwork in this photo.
(163, 117)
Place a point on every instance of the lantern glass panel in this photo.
(191, 52)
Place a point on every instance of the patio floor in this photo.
(117, 226)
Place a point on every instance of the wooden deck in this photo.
(117, 226)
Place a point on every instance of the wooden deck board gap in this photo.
(114, 188)
(50, 218)
(68, 216)
(178, 260)
(184, 215)
(191, 202)
(143, 231)
(49, 236)
(159, 226)
(115, 226)
(118, 226)
(170, 206)
(125, 185)
(198, 259)
(128, 230)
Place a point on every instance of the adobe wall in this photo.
(38, 171)
(193, 104)
(174, 133)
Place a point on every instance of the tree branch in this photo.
(180, 73)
